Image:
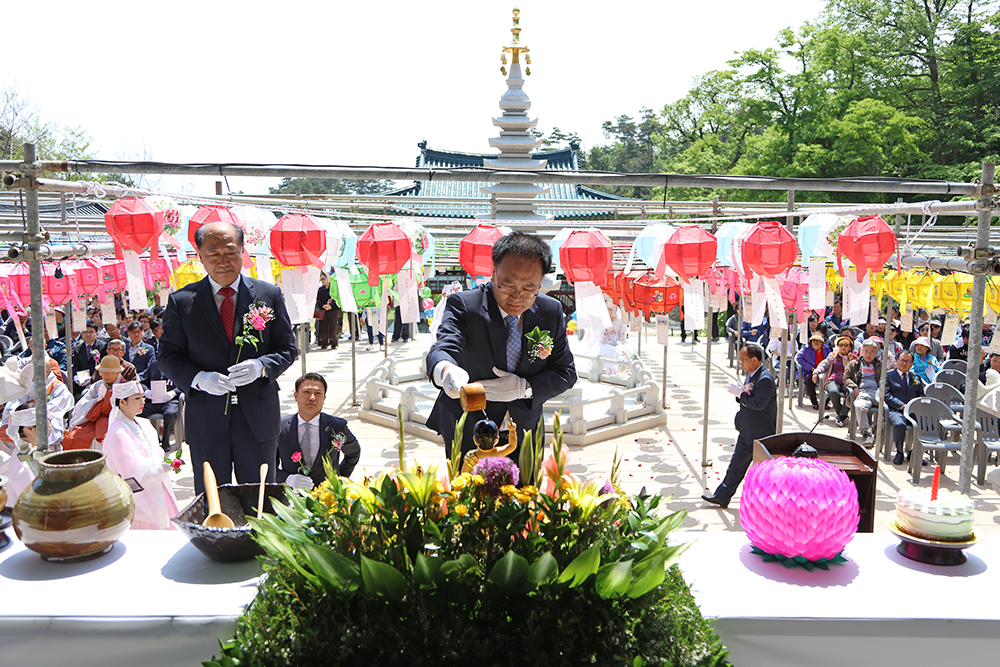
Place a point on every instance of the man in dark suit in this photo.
(901, 387)
(756, 419)
(232, 414)
(311, 435)
(139, 353)
(87, 353)
(483, 338)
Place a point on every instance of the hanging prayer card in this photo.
(662, 329)
(906, 320)
(950, 329)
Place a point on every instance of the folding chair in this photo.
(932, 428)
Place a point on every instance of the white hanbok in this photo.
(133, 450)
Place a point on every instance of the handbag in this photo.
(318, 313)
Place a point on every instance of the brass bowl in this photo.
(228, 545)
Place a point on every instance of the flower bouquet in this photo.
(450, 568)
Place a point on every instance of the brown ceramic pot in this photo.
(76, 509)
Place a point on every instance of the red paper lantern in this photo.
(690, 252)
(625, 287)
(58, 290)
(769, 249)
(208, 214)
(656, 296)
(298, 240)
(475, 252)
(611, 286)
(868, 242)
(586, 255)
(134, 224)
(384, 249)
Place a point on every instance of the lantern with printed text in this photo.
(868, 242)
(187, 273)
(298, 240)
(134, 224)
(384, 249)
(768, 249)
(475, 251)
(586, 255)
(690, 252)
(58, 284)
(895, 283)
(656, 296)
(208, 214)
(365, 295)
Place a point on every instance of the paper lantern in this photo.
(656, 296)
(625, 287)
(187, 273)
(586, 256)
(348, 246)
(134, 224)
(813, 235)
(610, 286)
(154, 270)
(768, 249)
(555, 244)
(919, 289)
(255, 223)
(725, 235)
(59, 286)
(868, 242)
(89, 275)
(365, 295)
(895, 283)
(421, 242)
(795, 506)
(690, 252)
(648, 244)
(384, 249)
(475, 251)
(794, 288)
(953, 292)
(334, 239)
(20, 283)
(298, 240)
(208, 214)
(993, 294)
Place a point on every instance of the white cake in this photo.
(947, 519)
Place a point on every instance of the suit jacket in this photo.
(758, 414)
(81, 362)
(897, 395)
(194, 340)
(342, 460)
(472, 334)
(142, 360)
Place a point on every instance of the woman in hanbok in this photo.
(22, 431)
(133, 450)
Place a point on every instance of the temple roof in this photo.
(563, 159)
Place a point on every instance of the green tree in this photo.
(328, 186)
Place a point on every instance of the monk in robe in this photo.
(90, 416)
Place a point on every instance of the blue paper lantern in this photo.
(726, 234)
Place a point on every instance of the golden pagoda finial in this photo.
(515, 49)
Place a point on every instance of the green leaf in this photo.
(582, 567)
(382, 579)
(334, 570)
(613, 579)
(425, 571)
(508, 572)
(649, 574)
(543, 570)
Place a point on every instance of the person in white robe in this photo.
(133, 450)
(22, 431)
(59, 402)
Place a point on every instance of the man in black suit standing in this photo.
(756, 419)
(232, 412)
(483, 338)
(87, 353)
(311, 435)
(901, 387)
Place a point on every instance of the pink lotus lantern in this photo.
(799, 507)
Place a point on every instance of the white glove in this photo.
(148, 394)
(102, 391)
(453, 378)
(299, 482)
(734, 388)
(214, 383)
(245, 372)
(508, 387)
(166, 466)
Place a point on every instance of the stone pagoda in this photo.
(515, 142)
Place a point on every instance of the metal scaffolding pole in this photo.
(982, 250)
(33, 240)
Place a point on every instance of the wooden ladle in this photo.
(215, 518)
(260, 494)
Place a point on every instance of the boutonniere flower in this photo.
(139, 351)
(337, 439)
(749, 388)
(303, 468)
(256, 319)
(540, 344)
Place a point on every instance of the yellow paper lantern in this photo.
(919, 289)
(993, 294)
(833, 279)
(187, 273)
(894, 283)
(953, 293)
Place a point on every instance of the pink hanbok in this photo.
(133, 450)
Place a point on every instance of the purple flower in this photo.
(498, 471)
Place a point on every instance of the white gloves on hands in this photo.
(299, 482)
(214, 383)
(102, 391)
(245, 372)
(148, 394)
(735, 388)
(453, 378)
(508, 387)
(165, 466)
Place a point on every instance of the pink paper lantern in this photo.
(795, 506)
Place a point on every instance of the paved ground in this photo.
(665, 460)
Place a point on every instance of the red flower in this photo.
(297, 456)
(177, 464)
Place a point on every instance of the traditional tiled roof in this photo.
(564, 159)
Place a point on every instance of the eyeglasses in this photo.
(509, 290)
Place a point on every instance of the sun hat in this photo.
(109, 364)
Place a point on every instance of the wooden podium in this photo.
(861, 467)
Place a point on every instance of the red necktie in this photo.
(228, 311)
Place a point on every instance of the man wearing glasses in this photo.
(483, 338)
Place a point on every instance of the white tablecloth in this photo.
(154, 600)
(879, 608)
